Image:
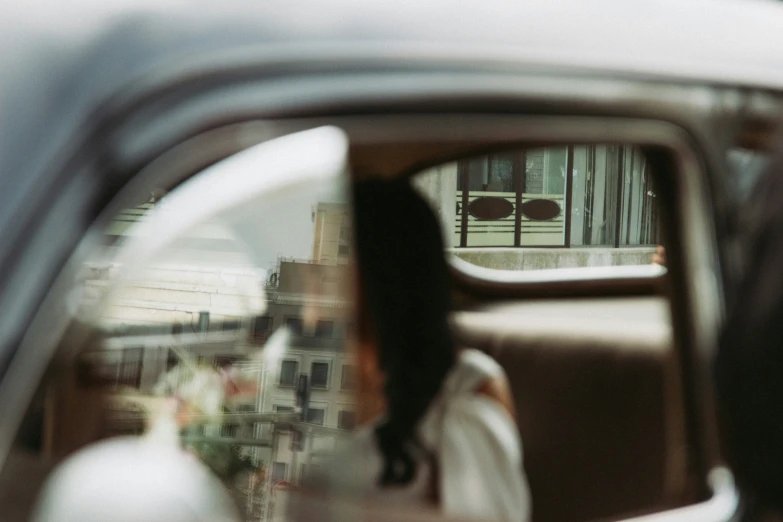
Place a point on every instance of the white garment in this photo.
(477, 447)
(130, 479)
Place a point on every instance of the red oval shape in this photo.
(541, 209)
(490, 207)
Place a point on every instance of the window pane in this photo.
(542, 216)
(477, 172)
(534, 171)
(580, 207)
(615, 203)
(324, 329)
(261, 326)
(501, 173)
(288, 371)
(319, 375)
(315, 416)
(295, 324)
(484, 210)
(279, 471)
(555, 170)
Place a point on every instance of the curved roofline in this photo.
(714, 41)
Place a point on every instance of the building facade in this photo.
(331, 237)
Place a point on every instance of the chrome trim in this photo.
(719, 508)
(590, 273)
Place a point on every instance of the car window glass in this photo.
(549, 207)
(228, 329)
(236, 315)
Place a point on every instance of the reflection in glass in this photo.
(569, 196)
(226, 321)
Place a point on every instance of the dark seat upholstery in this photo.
(597, 401)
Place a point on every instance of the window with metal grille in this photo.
(577, 195)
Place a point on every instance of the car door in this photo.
(193, 123)
(592, 355)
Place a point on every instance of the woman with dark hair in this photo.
(446, 435)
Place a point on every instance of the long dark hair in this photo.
(749, 363)
(405, 285)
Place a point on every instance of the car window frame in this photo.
(699, 259)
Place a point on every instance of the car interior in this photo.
(594, 373)
(604, 365)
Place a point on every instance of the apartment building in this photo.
(309, 300)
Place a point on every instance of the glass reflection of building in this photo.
(306, 298)
(195, 305)
(331, 233)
